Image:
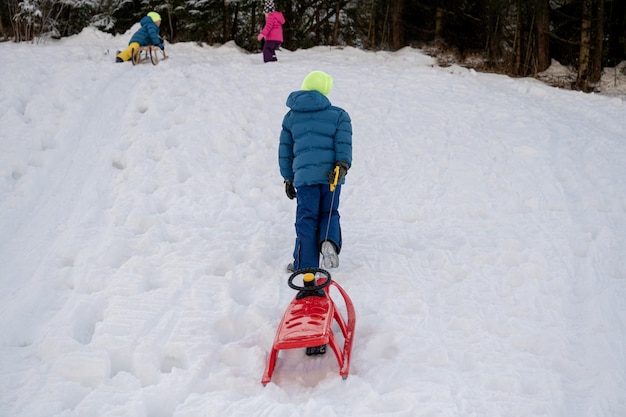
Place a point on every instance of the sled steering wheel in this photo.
(311, 288)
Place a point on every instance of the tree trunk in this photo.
(397, 27)
(542, 23)
(582, 82)
(598, 40)
(2, 31)
(517, 41)
(336, 28)
(371, 31)
(233, 28)
(439, 14)
(623, 34)
(493, 32)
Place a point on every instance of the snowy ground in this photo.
(145, 234)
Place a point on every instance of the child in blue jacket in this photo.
(316, 137)
(147, 35)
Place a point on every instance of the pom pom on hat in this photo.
(268, 6)
(318, 81)
(154, 16)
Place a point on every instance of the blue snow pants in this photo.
(312, 214)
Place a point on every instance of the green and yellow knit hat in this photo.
(154, 16)
(318, 81)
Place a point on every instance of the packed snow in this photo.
(145, 235)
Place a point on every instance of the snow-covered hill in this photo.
(145, 233)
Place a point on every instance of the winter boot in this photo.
(329, 253)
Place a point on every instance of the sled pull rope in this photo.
(333, 187)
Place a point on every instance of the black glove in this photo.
(162, 47)
(343, 170)
(289, 190)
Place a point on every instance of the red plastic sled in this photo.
(307, 323)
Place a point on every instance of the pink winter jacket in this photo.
(273, 30)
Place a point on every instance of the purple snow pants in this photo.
(269, 50)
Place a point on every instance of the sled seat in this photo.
(307, 322)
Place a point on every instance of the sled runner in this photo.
(145, 53)
(307, 322)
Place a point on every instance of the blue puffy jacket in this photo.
(314, 136)
(148, 34)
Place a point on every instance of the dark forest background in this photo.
(516, 37)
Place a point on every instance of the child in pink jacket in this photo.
(272, 31)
